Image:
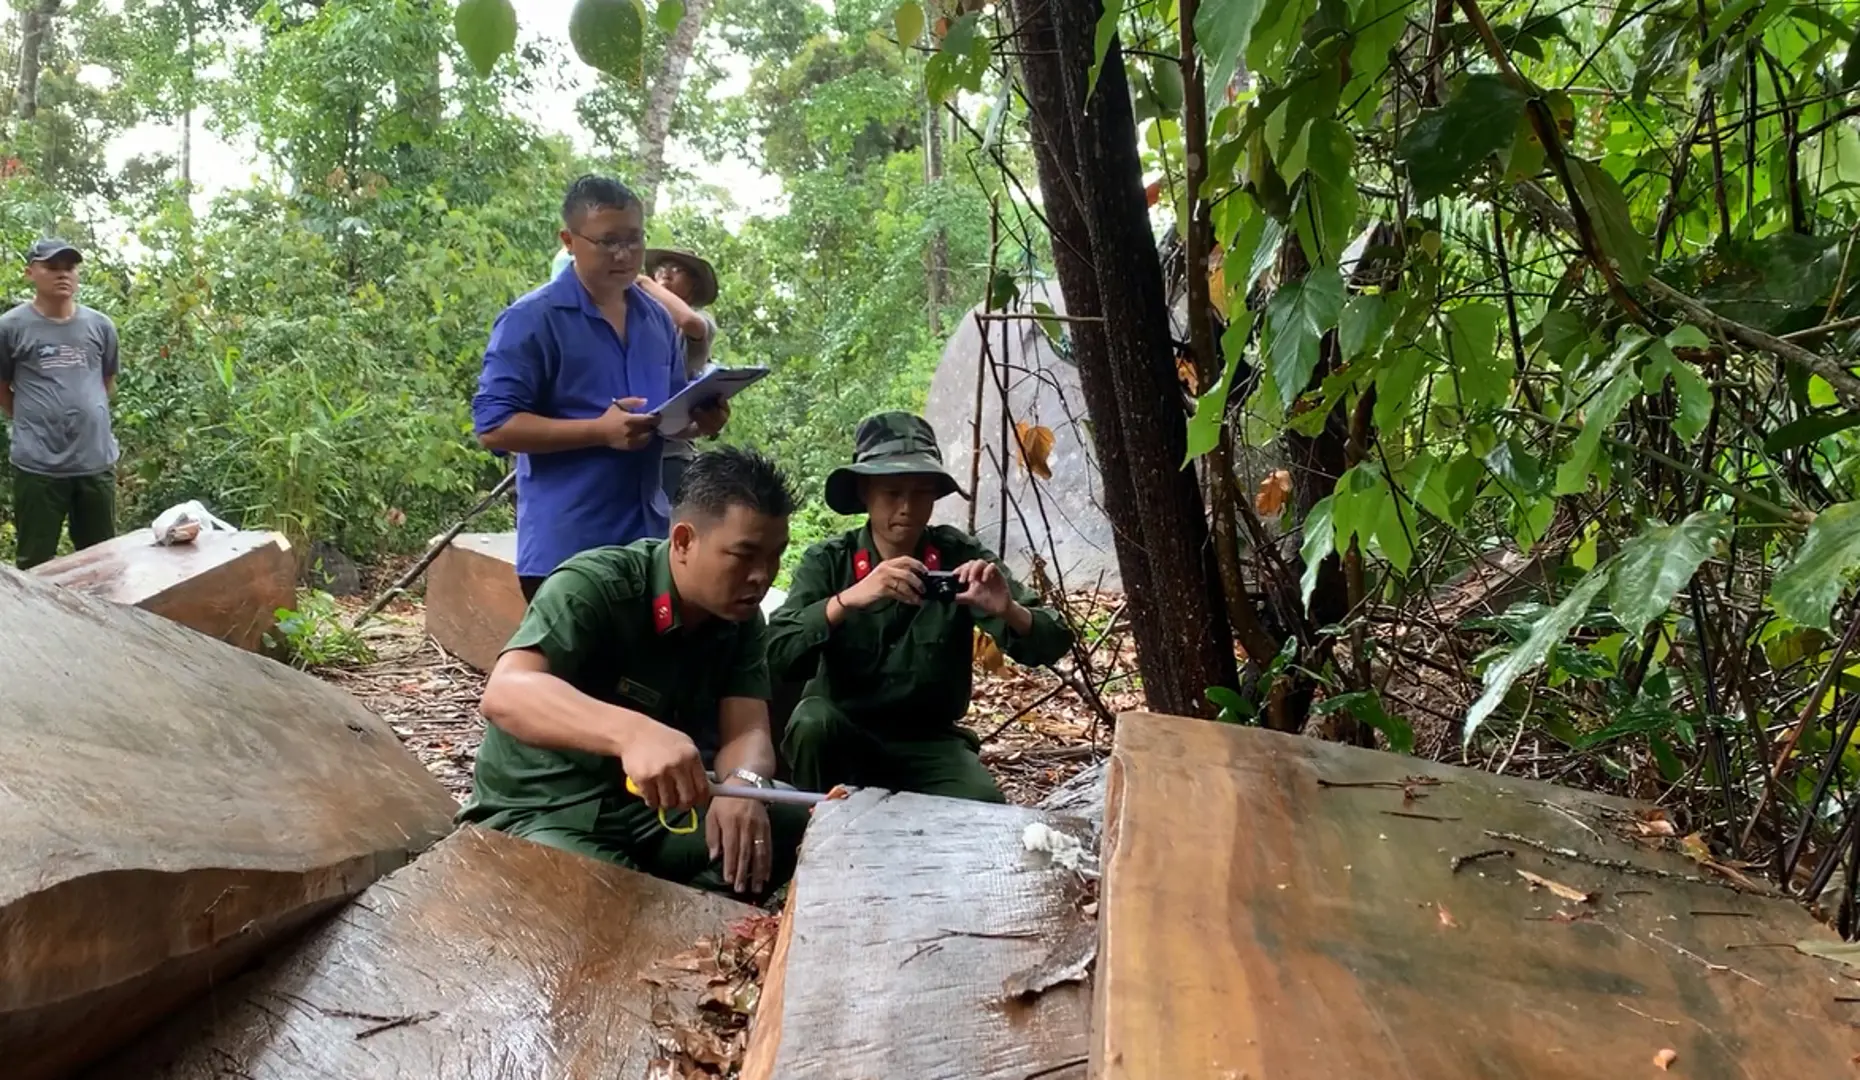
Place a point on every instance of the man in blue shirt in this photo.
(570, 376)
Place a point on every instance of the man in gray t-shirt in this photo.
(58, 362)
(685, 285)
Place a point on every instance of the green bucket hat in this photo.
(888, 444)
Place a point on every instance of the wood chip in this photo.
(1665, 1058)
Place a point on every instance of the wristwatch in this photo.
(751, 778)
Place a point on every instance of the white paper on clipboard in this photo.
(710, 384)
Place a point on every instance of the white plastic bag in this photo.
(181, 524)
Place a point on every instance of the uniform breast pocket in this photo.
(636, 695)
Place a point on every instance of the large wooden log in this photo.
(473, 602)
(1259, 923)
(504, 958)
(169, 805)
(226, 585)
(905, 919)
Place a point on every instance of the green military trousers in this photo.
(824, 747)
(629, 834)
(42, 504)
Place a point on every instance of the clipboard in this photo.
(713, 383)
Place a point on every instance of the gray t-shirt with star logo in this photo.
(61, 409)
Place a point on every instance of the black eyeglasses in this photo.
(614, 247)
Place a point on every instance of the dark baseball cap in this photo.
(50, 248)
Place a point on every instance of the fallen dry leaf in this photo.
(1656, 827)
(1574, 896)
(1036, 446)
(1665, 1058)
(1446, 917)
(1696, 847)
(1843, 952)
(987, 654)
(1186, 375)
(1274, 490)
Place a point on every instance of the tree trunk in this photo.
(1056, 157)
(1186, 620)
(937, 258)
(35, 23)
(663, 100)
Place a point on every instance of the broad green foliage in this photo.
(1447, 145)
(1807, 587)
(487, 29)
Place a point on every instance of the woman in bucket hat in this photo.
(685, 285)
(882, 620)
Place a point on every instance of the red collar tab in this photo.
(662, 613)
(933, 559)
(862, 565)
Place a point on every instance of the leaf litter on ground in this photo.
(705, 997)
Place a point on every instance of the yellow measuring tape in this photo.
(682, 830)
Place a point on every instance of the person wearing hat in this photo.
(889, 656)
(684, 284)
(58, 363)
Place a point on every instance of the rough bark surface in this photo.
(1056, 155)
(489, 957)
(228, 586)
(662, 100)
(1189, 604)
(169, 807)
(907, 917)
(1336, 938)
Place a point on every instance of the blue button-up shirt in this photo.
(553, 354)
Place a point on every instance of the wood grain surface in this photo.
(1259, 924)
(908, 914)
(169, 805)
(473, 603)
(501, 957)
(225, 585)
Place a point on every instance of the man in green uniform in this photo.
(889, 658)
(647, 661)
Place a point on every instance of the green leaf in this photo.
(1166, 80)
(1055, 330)
(1655, 565)
(1614, 223)
(1472, 352)
(1101, 45)
(1365, 323)
(1002, 291)
(1447, 145)
(1327, 202)
(1223, 27)
(1695, 401)
(1574, 474)
(1204, 428)
(909, 22)
(1395, 384)
(1549, 630)
(1374, 31)
(609, 36)
(1234, 709)
(486, 29)
(1395, 531)
(1366, 706)
(670, 14)
(959, 63)
(1804, 591)
(1320, 540)
(1561, 333)
(1807, 430)
(1300, 312)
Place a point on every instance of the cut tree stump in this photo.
(489, 957)
(1258, 923)
(169, 806)
(225, 585)
(906, 917)
(473, 602)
